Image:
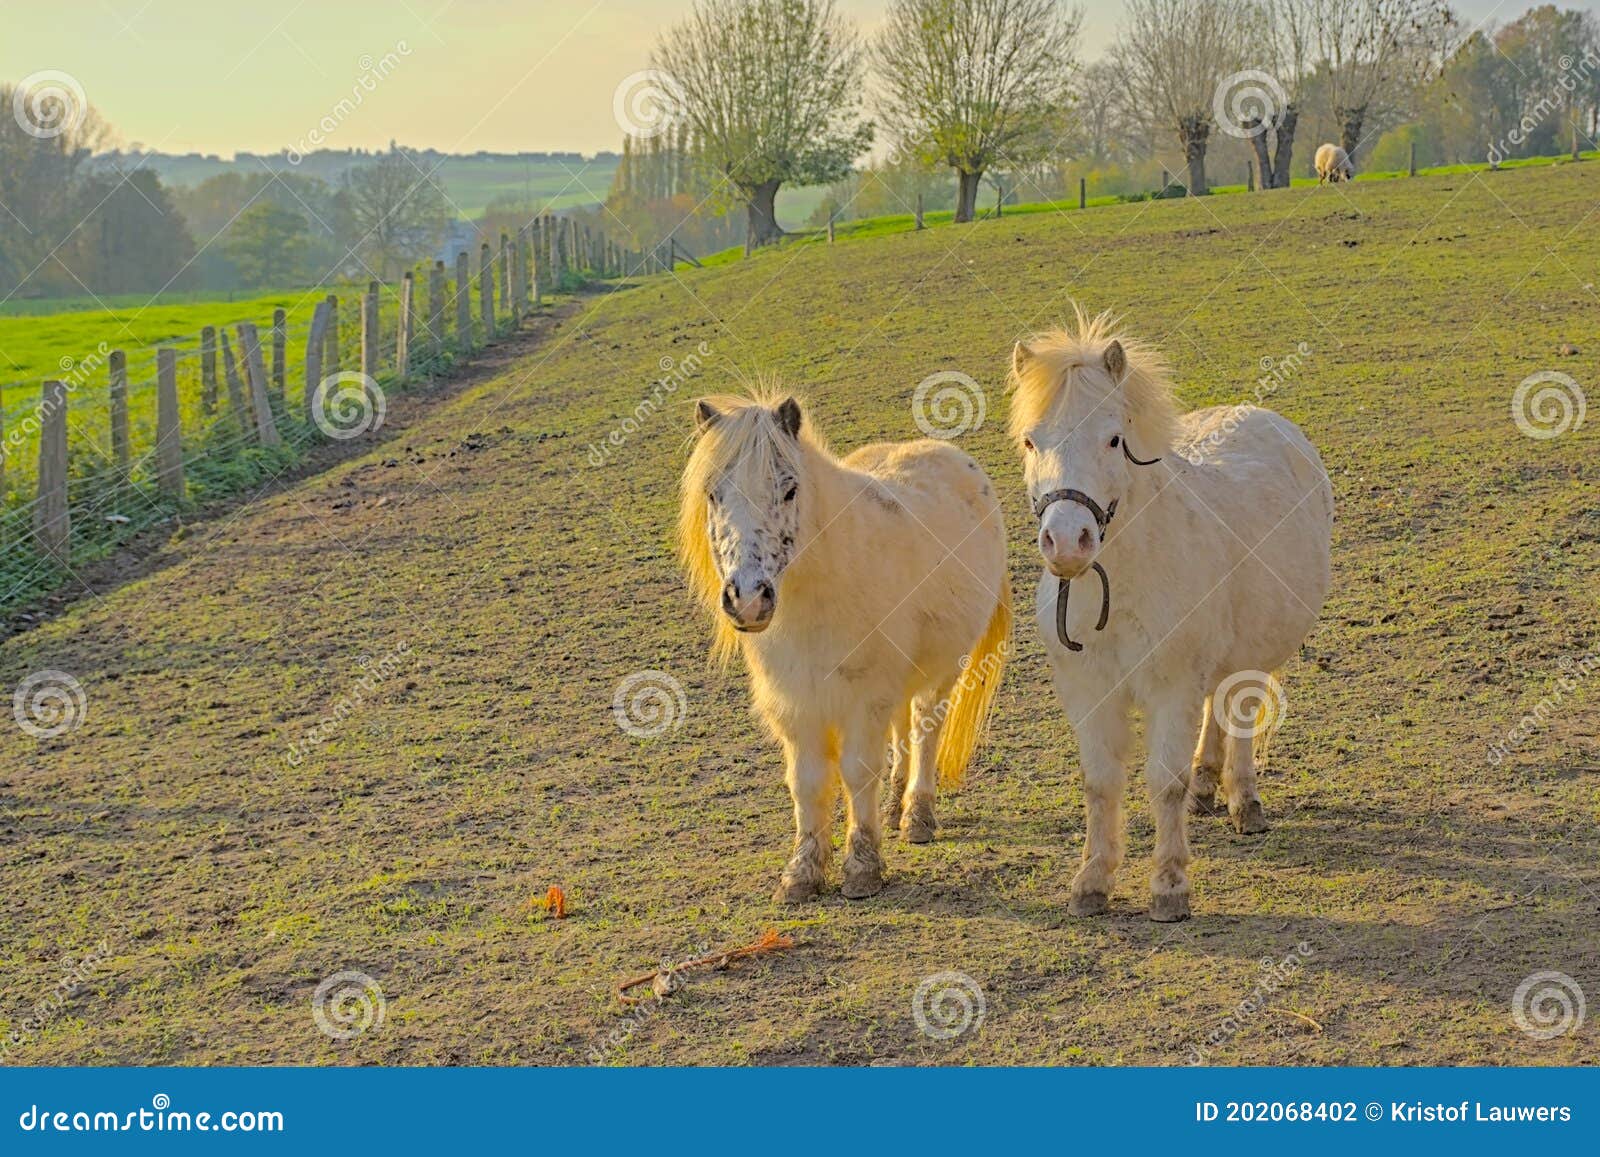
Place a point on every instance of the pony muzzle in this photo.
(1069, 540)
(750, 604)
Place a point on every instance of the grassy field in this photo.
(364, 723)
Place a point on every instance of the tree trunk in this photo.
(967, 194)
(1193, 131)
(761, 215)
(1257, 129)
(1284, 151)
(1350, 129)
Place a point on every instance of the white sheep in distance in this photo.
(1333, 164)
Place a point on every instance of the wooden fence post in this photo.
(256, 373)
(463, 302)
(920, 225)
(314, 344)
(436, 279)
(1412, 164)
(999, 199)
(503, 272)
(119, 407)
(369, 331)
(830, 227)
(236, 398)
(1575, 151)
(538, 270)
(486, 290)
(331, 362)
(1083, 192)
(1249, 177)
(51, 522)
(169, 436)
(208, 370)
(515, 293)
(402, 341)
(280, 350)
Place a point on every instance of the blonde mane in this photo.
(747, 430)
(1054, 369)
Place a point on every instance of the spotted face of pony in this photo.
(1084, 441)
(752, 504)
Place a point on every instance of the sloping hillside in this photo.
(362, 724)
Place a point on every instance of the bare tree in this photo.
(772, 90)
(1375, 52)
(1176, 55)
(398, 212)
(976, 83)
(1286, 28)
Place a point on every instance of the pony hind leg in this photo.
(861, 769)
(917, 824)
(1239, 783)
(1205, 771)
(812, 783)
(900, 754)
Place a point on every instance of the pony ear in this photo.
(1115, 360)
(705, 416)
(1021, 355)
(788, 413)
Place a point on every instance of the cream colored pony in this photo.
(1195, 550)
(869, 596)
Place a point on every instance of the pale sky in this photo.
(216, 76)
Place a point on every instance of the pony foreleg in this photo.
(1206, 769)
(811, 783)
(861, 768)
(918, 825)
(1170, 728)
(1103, 744)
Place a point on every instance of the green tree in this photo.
(267, 244)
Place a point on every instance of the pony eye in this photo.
(711, 497)
(1027, 444)
(789, 497)
(1116, 440)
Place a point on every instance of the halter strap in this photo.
(1102, 519)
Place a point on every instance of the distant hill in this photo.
(473, 180)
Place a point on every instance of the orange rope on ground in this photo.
(664, 980)
(555, 902)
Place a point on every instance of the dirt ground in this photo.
(363, 723)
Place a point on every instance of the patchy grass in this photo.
(453, 612)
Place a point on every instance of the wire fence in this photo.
(125, 439)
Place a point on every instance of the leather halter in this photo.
(1102, 519)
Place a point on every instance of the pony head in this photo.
(740, 518)
(1090, 413)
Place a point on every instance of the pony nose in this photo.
(750, 609)
(1068, 545)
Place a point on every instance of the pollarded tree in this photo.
(772, 91)
(1286, 43)
(975, 83)
(1375, 53)
(1176, 55)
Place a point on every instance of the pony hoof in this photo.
(1169, 907)
(860, 885)
(918, 824)
(797, 891)
(1250, 820)
(1089, 904)
(894, 817)
(1203, 805)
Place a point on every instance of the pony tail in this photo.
(973, 696)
